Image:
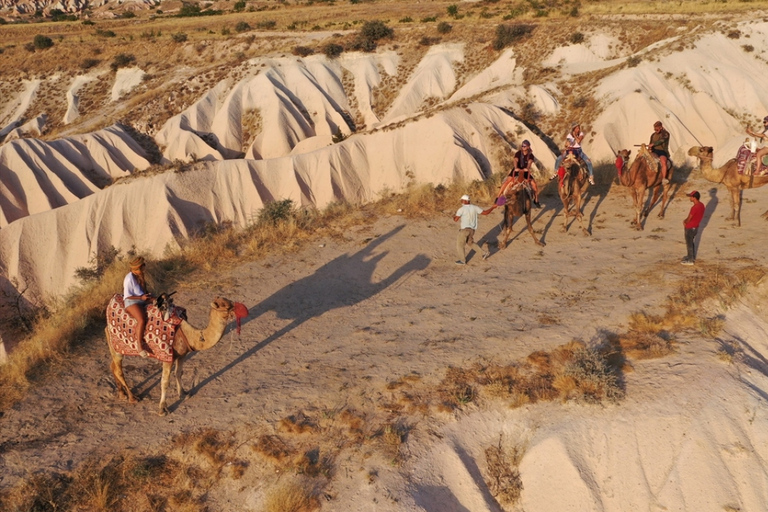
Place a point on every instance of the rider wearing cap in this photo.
(573, 145)
(522, 171)
(764, 150)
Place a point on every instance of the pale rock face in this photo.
(71, 6)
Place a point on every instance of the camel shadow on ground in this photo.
(751, 357)
(344, 281)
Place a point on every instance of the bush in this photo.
(122, 60)
(375, 30)
(104, 33)
(577, 37)
(276, 212)
(302, 51)
(428, 41)
(239, 6)
(128, 15)
(179, 37)
(633, 61)
(407, 19)
(453, 10)
(225, 31)
(88, 63)
(42, 42)
(428, 19)
(242, 27)
(88, 22)
(2, 21)
(266, 24)
(508, 34)
(444, 27)
(333, 50)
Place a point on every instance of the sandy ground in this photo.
(330, 326)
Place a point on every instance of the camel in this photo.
(571, 188)
(729, 176)
(644, 174)
(186, 339)
(518, 203)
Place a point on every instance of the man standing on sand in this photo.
(468, 214)
(691, 224)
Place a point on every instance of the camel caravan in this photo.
(139, 324)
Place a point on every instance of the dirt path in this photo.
(332, 325)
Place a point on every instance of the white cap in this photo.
(465, 197)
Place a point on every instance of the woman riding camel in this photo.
(573, 145)
(135, 298)
(522, 172)
(764, 150)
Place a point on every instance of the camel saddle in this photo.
(747, 163)
(570, 157)
(158, 333)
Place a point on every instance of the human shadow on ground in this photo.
(709, 210)
(344, 281)
(751, 357)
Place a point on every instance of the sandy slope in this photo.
(331, 326)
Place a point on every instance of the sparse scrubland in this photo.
(371, 372)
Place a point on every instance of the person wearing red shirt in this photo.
(691, 225)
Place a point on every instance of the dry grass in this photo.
(292, 496)
(569, 372)
(714, 287)
(177, 481)
(503, 473)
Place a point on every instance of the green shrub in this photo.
(42, 42)
(239, 6)
(453, 10)
(242, 27)
(128, 15)
(88, 63)
(333, 50)
(407, 19)
(302, 51)
(2, 21)
(266, 24)
(122, 60)
(576, 38)
(375, 30)
(444, 27)
(179, 37)
(633, 61)
(276, 212)
(104, 33)
(508, 34)
(428, 19)
(225, 31)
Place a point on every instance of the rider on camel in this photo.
(762, 151)
(659, 146)
(573, 145)
(521, 173)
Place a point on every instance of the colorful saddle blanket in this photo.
(158, 333)
(746, 161)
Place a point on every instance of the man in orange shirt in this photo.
(691, 225)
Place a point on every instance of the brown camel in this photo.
(186, 339)
(518, 203)
(571, 189)
(729, 176)
(644, 174)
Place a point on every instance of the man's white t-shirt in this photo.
(468, 214)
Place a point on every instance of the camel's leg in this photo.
(123, 389)
(530, 229)
(579, 215)
(506, 230)
(637, 198)
(736, 202)
(164, 387)
(664, 198)
(733, 195)
(179, 371)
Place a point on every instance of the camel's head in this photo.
(701, 152)
(622, 159)
(222, 305)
